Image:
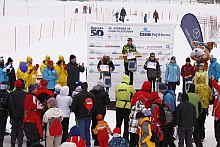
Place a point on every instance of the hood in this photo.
(125, 79)
(146, 86)
(64, 91)
(169, 91)
(74, 131)
(213, 60)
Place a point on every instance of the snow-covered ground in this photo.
(40, 28)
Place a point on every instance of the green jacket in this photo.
(128, 49)
(194, 99)
(124, 93)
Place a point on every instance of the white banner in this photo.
(109, 39)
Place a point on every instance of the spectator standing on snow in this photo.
(63, 103)
(152, 67)
(185, 122)
(101, 100)
(116, 16)
(123, 94)
(156, 16)
(4, 99)
(16, 111)
(172, 74)
(145, 18)
(122, 15)
(82, 106)
(73, 73)
(11, 73)
(187, 73)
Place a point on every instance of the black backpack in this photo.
(166, 115)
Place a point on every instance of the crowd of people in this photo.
(40, 109)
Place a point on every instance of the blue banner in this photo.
(191, 28)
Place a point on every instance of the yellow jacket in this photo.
(145, 133)
(62, 75)
(31, 76)
(42, 67)
(124, 93)
(202, 89)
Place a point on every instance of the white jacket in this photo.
(64, 101)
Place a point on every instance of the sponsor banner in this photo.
(109, 39)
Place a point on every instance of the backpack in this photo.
(55, 127)
(88, 103)
(165, 114)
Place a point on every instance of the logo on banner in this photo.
(148, 33)
(196, 33)
(97, 31)
(145, 32)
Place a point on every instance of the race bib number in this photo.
(152, 65)
(104, 68)
(131, 55)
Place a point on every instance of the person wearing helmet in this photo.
(61, 69)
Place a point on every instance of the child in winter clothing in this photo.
(216, 112)
(102, 130)
(145, 133)
(64, 102)
(117, 140)
(185, 122)
(53, 117)
(74, 137)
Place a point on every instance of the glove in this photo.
(178, 82)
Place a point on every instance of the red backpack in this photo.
(55, 127)
(88, 104)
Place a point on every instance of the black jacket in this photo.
(101, 100)
(11, 76)
(78, 105)
(73, 73)
(109, 63)
(186, 115)
(4, 97)
(16, 104)
(153, 69)
(123, 12)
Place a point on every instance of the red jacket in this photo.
(216, 107)
(143, 94)
(77, 140)
(187, 70)
(31, 113)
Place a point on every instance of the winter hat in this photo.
(9, 60)
(61, 58)
(99, 117)
(43, 83)
(129, 39)
(188, 59)
(162, 86)
(72, 57)
(117, 131)
(152, 54)
(140, 115)
(84, 86)
(74, 131)
(28, 59)
(49, 62)
(18, 84)
(52, 101)
(173, 58)
(146, 86)
(47, 58)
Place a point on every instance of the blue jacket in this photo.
(172, 73)
(118, 142)
(169, 98)
(3, 75)
(50, 76)
(214, 69)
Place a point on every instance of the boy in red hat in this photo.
(102, 130)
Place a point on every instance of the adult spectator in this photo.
(156, 16)
(11, 73)
(122, 15)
